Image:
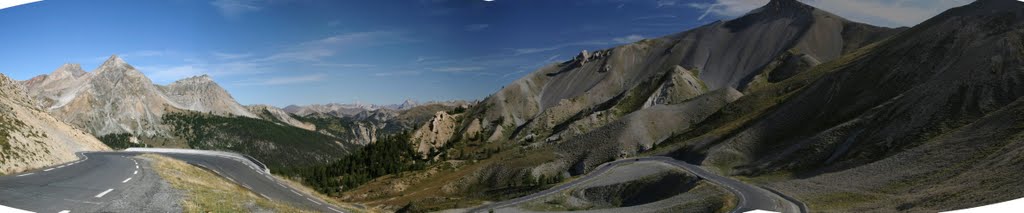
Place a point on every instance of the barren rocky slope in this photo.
(935, 109)
(30, 138)
(776, 41)
(844, 116)
(117, 98)
(270, 113)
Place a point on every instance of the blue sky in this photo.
(283, 52)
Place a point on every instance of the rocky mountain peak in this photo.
(117, 67)
(69, 69)
(114, 61)
(199, 79)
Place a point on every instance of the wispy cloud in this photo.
(343, 65)
(878, 12)
(476, 27)
(611, 41)
(315, 50)
(664, 16)
(397, 74)
(235, 8)
(231, 56)
(457, 69)
(284, 80)
(666, 3)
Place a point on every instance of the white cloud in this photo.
(628, 39)
(891, 13)
(235, 8)
(604, 42)
(397, 74)
(457, 69)
(316, 50)
(167, 74)
(476, 27)
(284, 80)
(231, 56)
(666, 3)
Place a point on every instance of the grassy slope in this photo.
(207, 192)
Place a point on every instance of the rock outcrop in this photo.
(434, 134)
(30, 138)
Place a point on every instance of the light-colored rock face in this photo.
(117, 98)
(680, 85)
(278, 115)
(201, 94)
(434, 134)
(30, 138)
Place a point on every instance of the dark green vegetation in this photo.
(389, 155)
(120, 141)
(278, 146)
(331, 125)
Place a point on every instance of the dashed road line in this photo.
(47, 170)
(311, 200)
(335, 210)
(126, 180)
(265, 196)
(26, 174)
(104, 193)
(232, 180)
(65, 211)
(136, 172)
(246, 186)
(293, 191)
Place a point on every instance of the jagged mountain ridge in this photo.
(773, 42)
(117, 98)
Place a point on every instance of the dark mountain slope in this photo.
(911, 123)
(553, 101)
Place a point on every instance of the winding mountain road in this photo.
(120, 182)
(750, 197)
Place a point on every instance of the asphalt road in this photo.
(119, 182)
(750, 197)
(99, 182)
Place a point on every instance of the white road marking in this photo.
(246, 186)
(136, 172)
(26, 174)
(104, 193)
(265, 196)
(47, 170)
(293, 191)
(60, 167)
(311, 200)
(232, 180)
(126, 180)
(136, 166)
(12, 210)
(65, 211)
(335, 210)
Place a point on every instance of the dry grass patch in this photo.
(208, 192)
(348, 207)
